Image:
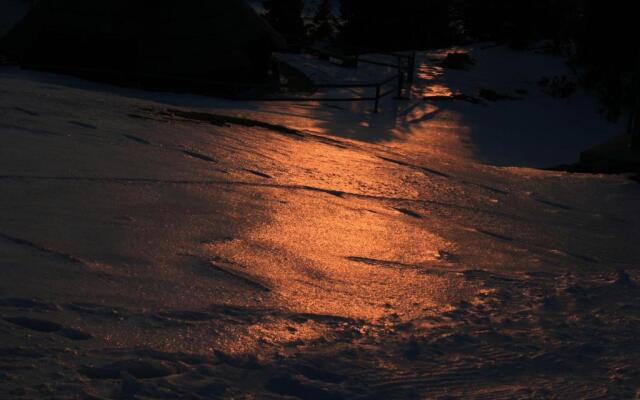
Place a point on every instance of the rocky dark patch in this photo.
(74, 334)
(224, 120)
(328, 140)
(258, 173)
(447, 256)
(22, 352)
(408, 212)
(187, 315)
(34, 324)
(82, 124)
(418, 167)
(21, 303)
(290, 386)
(492, 95)
(136, 139)
(335, 193)
(26, 111)
(199, 156)
(46, 326)
(43, 249)
(245, 361)
(318, 374)
(141, 369)
(397, 265)
(211, 390)
(96, 309)
(137, 116)
(190, 359)
(489, 188)
(457, 60)
(412, 350)
(554, 204)
(494, 235)
(238, 276)
(33, 131)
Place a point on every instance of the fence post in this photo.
(634, 118)
(375, 109)
(634, 129)
(411, 67)
(400, 77)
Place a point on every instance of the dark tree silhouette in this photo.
(286, 17)
(518, 23)
(599, 37)
(606, 45)
(323, 22)
(397, 24)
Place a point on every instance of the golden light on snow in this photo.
(428, 72)
(333, 250)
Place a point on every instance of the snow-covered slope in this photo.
(526, 127)
(155, 245)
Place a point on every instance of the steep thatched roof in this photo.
(190, 38)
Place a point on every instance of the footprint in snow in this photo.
(45, 326)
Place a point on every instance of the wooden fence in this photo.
(405, 66)
(379, 87)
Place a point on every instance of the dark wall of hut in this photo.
(222, 40)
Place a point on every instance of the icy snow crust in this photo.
(158, 246)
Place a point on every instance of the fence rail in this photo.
(378, 86)
(406, 68)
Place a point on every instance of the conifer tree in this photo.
(286, 17)
(323, 21)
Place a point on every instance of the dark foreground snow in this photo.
(162, 246)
